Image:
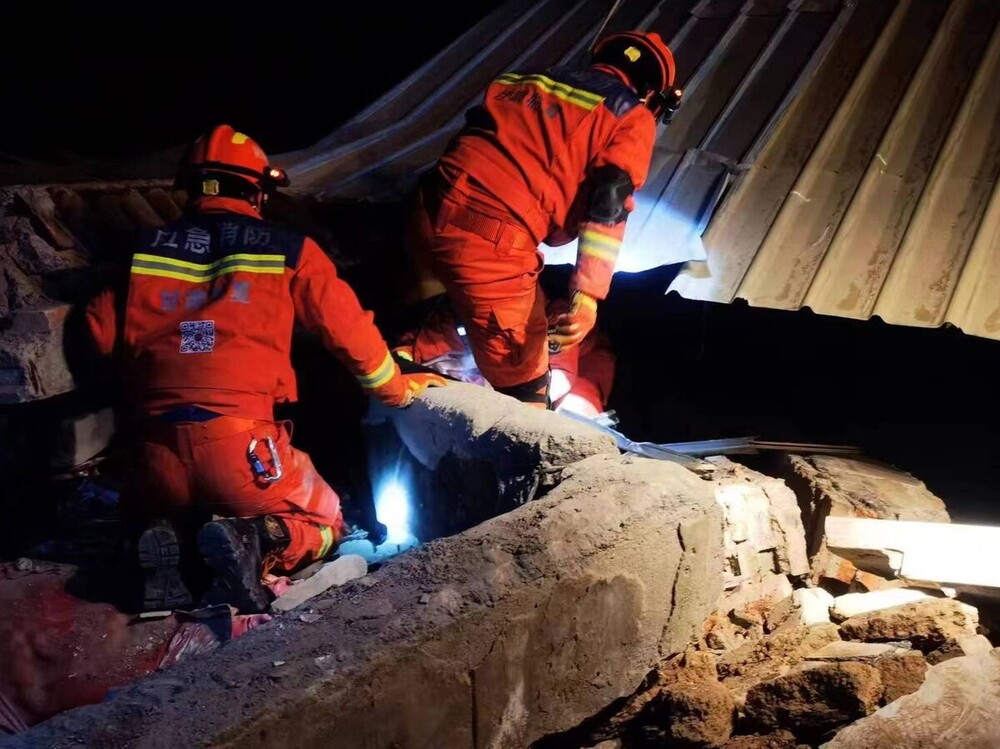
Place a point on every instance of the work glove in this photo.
(404, 388)
(569, 328)
(418, 382)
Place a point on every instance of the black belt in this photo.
(186, 413)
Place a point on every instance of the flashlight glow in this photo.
(655, 236)
(559, 385)
(577, 405)
(392, 505)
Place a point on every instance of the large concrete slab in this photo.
(519, 627)
(480, 422)
(467, 453)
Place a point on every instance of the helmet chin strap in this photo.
(258, 200)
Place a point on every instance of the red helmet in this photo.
(647, 62)
(228, 163)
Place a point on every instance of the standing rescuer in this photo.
(548, 156)
(203, 336)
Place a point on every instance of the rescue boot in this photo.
(159, 552)
(236, 550)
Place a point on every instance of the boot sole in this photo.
(159, 555)
(236, 581)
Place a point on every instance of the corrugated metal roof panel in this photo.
(930, 261)
(836, 154)
(887, 207)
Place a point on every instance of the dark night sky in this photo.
(130, 83)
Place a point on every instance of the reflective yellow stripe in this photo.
(585, 299)
(182, 270)
(181, 276)
(326, 532)
(600, 246)
(262, 259)
(577, 96)
(385, 372)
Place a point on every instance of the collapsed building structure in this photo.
(596, 596)
(835, 155)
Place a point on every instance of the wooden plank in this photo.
(740, 225)
(932, 256)
(786, 263)
(945, 553)
(851, 275)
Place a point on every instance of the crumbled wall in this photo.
(514, 629)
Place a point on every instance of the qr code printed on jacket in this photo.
(197, 336)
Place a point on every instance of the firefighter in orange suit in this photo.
(582, 375)
(203, 337)
(548, 156)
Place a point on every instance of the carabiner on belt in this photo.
(258, 466)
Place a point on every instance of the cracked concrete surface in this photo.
(531, 622)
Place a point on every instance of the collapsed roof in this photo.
(830, 154)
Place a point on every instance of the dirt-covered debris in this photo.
(776, 740)
(814, 700)
(955, 707)
(772, 655)
(689, 707)
(928, 624)
(902, 674)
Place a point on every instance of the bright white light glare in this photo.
(655, 237)
(461, 330)
(577, 405)
(392, 505)
(559, 385)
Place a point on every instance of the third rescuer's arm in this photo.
(328, 306)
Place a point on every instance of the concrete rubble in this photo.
(472, 453)
(807, 644)
(342, 570)
(928, 624)
(837, 487)
(815, 699)
(813, 604)
(533, 621)
(81, 438)
(902, 674)
(955, 707)
(763, 526)
(567, 595)
(42, 272)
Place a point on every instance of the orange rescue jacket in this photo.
(537, 137)
(212, 299)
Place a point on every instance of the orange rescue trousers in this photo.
(489, 263)
(204, 467)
